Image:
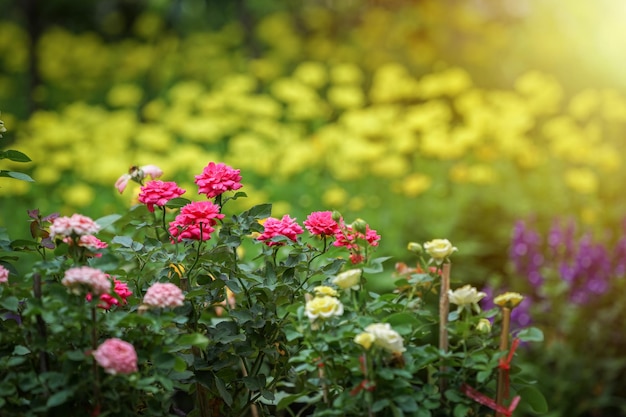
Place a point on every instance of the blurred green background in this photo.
(428, 119)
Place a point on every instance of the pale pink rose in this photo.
(158, 193)
(321, 223)
(88, 241)
(84, 279)
(284, 227)
(195, 221)
(217, 179)
(76, 225)
(137, 174)
(161, 295)
(116, 357)
(4, 275)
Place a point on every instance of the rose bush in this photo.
(188, 308)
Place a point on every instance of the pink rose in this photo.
(107, 300)
(159, 193)
(195, 221)
(76, 225)
(4, 275)
(116, 356)
(217, 179)
(321, 223)
(161, 295)
(285, 227)
(85, 279)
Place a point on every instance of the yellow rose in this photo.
(509, 299)
(364, 339)
(386, 338)
(325, 290)
(348, 279)
(439, 249)
(323, 307)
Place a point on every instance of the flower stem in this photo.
(504, 344)
(444, 307)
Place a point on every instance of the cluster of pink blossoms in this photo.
(321, 223)
(163, 295)
(284, 227)
(116, 356)
(4, 275)
(107, 300)
(351, 239)
(159, 193)
(216, 179)
(76, 225)
(84, 279)
(195, 221)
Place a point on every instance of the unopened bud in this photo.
(415, 248)
(336, 216)
(360, 226)
(483, 326)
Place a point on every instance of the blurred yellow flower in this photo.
(335, 197)
(415, 184)
(581, 180)
(78, 195)
(124, 95)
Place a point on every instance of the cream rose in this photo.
(324, 306)
(385, 337)
(466, 296)
(439, 249)
(349, 279)
(325, 290)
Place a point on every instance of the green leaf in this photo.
(10, 303)
(461, 410)
(261, 211)
(107, 221)
(402, 322)
(16, 175)
(254, 383)
(221, 388)
(59, 398)
(177, 202)
(533, 397)
(530, 334)
(16, 156)
(193, 339)
(20, 350)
